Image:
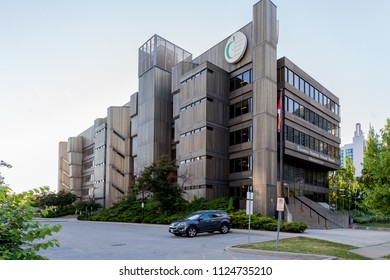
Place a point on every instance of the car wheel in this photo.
(224, 229)
(191, 231)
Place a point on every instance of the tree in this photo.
(159, 178)
(376, 171)
(60, 199)
(21, 236)
(345, 196)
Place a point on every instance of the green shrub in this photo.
(240, 220)
(129, 210)
(365, 216)
(294, 227)
(21, 236)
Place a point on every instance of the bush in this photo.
(129, 210)
(294, 227)
(240, 220)
(21, 236)
(365, 217)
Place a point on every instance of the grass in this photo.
(387, 257)
(309, 246)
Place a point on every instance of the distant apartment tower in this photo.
(355, 150)
(96, 163)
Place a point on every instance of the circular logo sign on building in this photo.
(235, 47)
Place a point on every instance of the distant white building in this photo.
(355, 151)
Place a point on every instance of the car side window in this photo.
(205, 217)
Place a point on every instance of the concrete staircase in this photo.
(315, 215)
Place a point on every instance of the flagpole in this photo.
(281, 175)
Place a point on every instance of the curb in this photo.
(282, 255)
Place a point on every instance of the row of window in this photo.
(193, 77)
(285, 74)
(241, 80)
(303, 175)
(204, 99)
(195, 159)
(88, 178)
(295, 136)
(194, 131)
(240, 136)
(241, 164)
(240, 108)
(88, 152)
(88, 165)
(299, 110)
(100, 131)
(100, 147)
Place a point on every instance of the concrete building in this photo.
(355, 150)
(217, 115)
(96, 164)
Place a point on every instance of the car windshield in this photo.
(193, 216)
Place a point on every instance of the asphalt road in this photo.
(85, 240)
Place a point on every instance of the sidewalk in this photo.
(372, 243)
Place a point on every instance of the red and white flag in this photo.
(279, 112)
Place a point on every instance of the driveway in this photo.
(86, 240)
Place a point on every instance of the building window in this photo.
(349, 154)
(298, 175)
(240, 164)
(240, 136)
(307, 89)
(240, 108)
(241, 80)
(87, 165)
(295, 136)
(297, 109)
(204, 99)
(88, 152)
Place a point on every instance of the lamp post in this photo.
(143, 203)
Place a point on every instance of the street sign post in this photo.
(280, 209)
(249, 210)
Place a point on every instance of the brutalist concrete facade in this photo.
(217, 115)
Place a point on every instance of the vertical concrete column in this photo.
(264, 107)
(75, 159)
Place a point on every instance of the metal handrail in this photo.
(311, 209)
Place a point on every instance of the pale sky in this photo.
(63, 63)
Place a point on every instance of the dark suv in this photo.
(201, 221)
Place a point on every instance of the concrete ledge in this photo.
(357, 226)
(286, 255)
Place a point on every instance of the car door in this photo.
(204, 222)
(215, 221)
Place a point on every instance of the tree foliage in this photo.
(376, 171)
(345, 192)
(60, 199)
(159, 179)
(21, 236)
